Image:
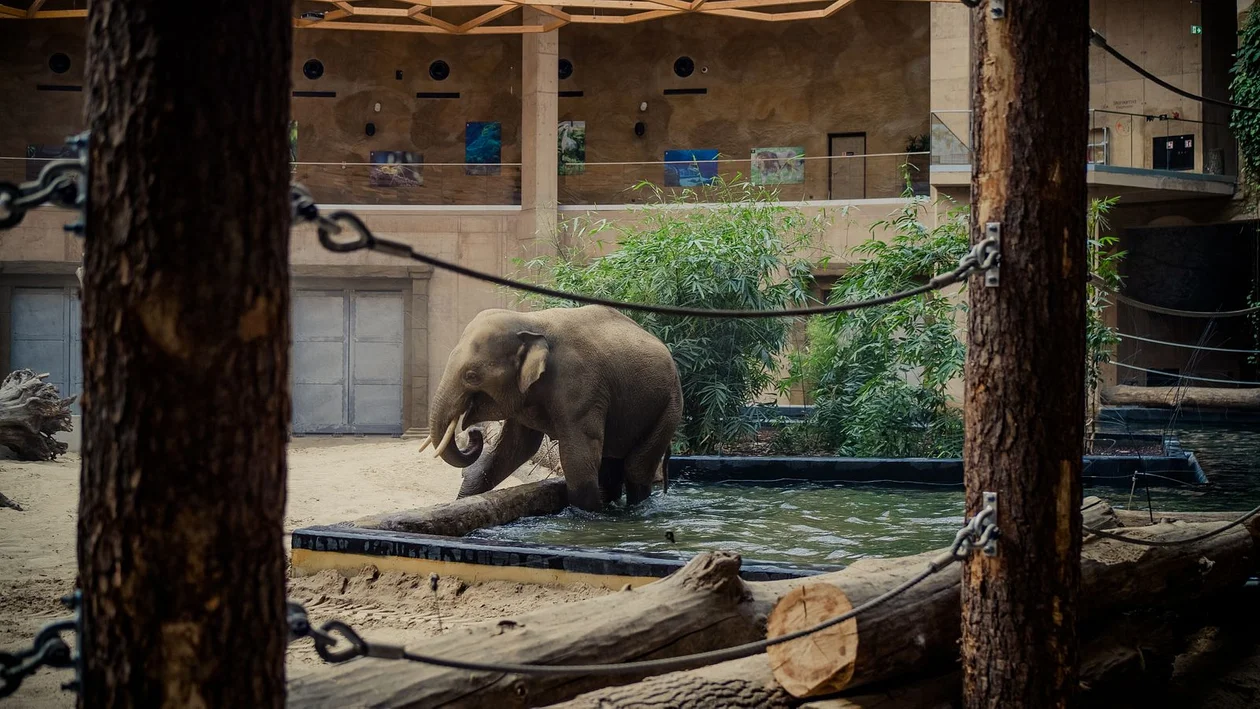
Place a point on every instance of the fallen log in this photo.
(702, 606)
(1097, 513)
(1129, 658)
(6, 502)
(491, 509)
(1142, 518)
(31, 413)
(1171, 397)
(706, 606)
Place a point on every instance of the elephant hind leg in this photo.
(640, 470)
(612, 474)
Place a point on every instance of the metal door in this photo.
(847, 176)
(44, 337)
(347, 361)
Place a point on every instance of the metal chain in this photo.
(979, 531)
(59, 183)
(983, 255)
(48, 649)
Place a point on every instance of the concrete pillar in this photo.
(417, 394)
(539, 76)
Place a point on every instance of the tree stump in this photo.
(817, 664)
(31, 413)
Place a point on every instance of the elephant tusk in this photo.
(446, 439)
(428, 441)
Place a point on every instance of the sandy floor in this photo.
(335, 480)
(330, 480)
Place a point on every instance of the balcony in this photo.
(1141, 158)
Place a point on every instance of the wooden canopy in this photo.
(489, 16)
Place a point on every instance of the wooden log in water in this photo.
(490, 509)
(1170, 397)
(706, 606)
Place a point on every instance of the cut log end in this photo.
(820, 663)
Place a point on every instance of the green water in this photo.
(840, 523)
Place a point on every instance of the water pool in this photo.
(835, 523)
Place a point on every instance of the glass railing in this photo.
(791, 176)
(1116, 139)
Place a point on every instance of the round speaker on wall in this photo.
(370, 129)
(313, 69)
(59, 63)
(566, 68)
(439, 70)
(639, 129)
(683, 66)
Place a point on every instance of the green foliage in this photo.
(1245, 91)
(1104, 263)
(880, 376)
(741, 251)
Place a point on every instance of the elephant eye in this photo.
(471, 377)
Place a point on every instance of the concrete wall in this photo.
(863, 70)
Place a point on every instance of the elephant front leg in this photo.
(516, 445)
(580, 457)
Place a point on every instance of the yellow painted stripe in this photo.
(306, 562)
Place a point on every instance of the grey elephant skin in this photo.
(589, 378)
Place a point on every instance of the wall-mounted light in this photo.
(643, 106)
(377, 107)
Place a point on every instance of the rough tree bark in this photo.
(31, 413)
(1025, 372)
(186, 350)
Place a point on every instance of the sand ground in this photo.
(330, 480)
(336, 480)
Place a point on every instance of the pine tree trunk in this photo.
(1025, 396)
(186, 350)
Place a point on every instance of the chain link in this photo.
(59, 183)
(49, 649)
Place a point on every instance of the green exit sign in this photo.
(1196, 29)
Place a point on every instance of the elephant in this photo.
(606, 390)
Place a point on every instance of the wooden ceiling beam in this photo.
(418, 14)
(34, 8)
(59, 15)
(6, 11)
(487, 17)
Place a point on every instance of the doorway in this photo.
(846, 177)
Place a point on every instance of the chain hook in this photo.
(325, 639)
(364, 238)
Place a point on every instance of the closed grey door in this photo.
(847, 179)
(347, 361)
(44, 337)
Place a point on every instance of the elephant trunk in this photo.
(449, 411)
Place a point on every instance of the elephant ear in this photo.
(533, 356)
